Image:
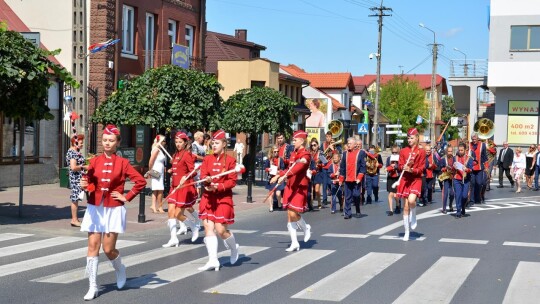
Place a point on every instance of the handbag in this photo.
(154, 173)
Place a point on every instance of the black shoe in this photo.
(512, 185)
(462, 212)
(488, 188)
(451, 209)
(444, 212)
(389, 213)
(376, 198)
(397, 210)
(347, 217)
(325, 202)
(536, 189)
(500, 186)
(458, 216)
(340, 209)
(358, 215)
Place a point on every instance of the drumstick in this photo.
(165, 151)
(277, 184)
(394, 185)
(195, 169)
(238, 169)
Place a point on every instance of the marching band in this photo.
(294, 172)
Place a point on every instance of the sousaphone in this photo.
(336, 128)
(485, 128)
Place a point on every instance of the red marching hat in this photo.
(219, 134)
(181, 135)
(300, 134)
(111, 129)
(412, 132)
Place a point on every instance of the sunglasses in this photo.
(275, 151)
(313, 145)
(394, 153)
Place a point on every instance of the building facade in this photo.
(513, 64)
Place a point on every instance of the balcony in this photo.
(162, 57)
(468, 68)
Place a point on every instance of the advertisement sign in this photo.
(317, 133)
(318, 108)
(180, 56)
(128, 153)
(516, 107)
(522, 129)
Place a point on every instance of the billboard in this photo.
(318, 108)
(180, 56)
(522, 129)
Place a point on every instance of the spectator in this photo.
(75, 161)
(199, 151)
(239, 150)
(529, 169)
(504, 161)
(156, 173)
(518, 166)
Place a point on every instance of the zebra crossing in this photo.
(348, 278)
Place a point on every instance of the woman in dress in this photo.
(272, 165)
(518, 167)
(157, 164)
(105, 216)
(318, 161)
(75, 160)
(216, 207)
(412, 160)
(199, 151)
(529, 169)
(296, 189)
(181, 200)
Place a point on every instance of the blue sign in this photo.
(363, 128)
(180, 56)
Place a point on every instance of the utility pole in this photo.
(432, 112)
(380, 14)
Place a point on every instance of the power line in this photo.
(333, 13)
(421, 62)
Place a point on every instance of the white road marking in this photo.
(427, 288)
(521, 244)
(395, 237)
(36, 245)
(463, 241)
(525, 284)
(12, 236)
(345, 235)
(269, 273)
(346, 280)
(243, 231)
(299, 232)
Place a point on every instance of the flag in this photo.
(419, 119)
(96, 47)
(367, 103)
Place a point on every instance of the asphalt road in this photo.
(489, 256)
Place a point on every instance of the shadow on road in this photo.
(9, 213)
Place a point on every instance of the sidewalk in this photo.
(48, 207)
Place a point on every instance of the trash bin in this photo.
(64, 177)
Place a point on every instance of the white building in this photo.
(514, 62)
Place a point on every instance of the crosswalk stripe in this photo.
(281, 233)
(182, 271)
(349, 278)
(345, 235)
(243, 231)
(31, 246)
(464, 241)
(12, 236)
(75, 275)
(395, 237)
(54, 259)
(265, 275)
(521, 244)
(525, 284)
(453, 271)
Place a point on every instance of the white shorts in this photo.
(104, 219)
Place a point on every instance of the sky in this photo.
(338, 35)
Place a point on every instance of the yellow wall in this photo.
(238, 74)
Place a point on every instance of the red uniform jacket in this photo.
(430, 165)
(417, 161)
(108, 175)
(297, 175)
(183, 164)
(213, 165)
(468, 166)
(391, 170)
(353, 166)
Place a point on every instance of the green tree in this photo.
(255, 111)
(26, 73)
(164, 97)
(449, 111)
(403, 99)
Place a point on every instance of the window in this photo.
(257, 84)
(128, 29)
(149, 42)
(525, 37)
(189, 39)
(172, 31)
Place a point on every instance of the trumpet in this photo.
(327, 150)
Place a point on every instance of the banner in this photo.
(317, 133)
(180, 56)
(522, 107)
(522, 130)
(318, 108)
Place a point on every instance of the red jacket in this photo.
(108, 175)
(297, 175)
(215, 164)
(431, 165)
(417, 161)
(353, 166)
(183, 164)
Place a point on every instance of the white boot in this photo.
(406, 225)
(120, 271)
(413, 218)
(212, 247)
(294, 241)
(91, 271)
(231, 244)
(306, 228)
(182, 229)
(193, 224)
(173, 242)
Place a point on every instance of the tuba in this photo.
(372, 164)
(336, 128)
(485, 128)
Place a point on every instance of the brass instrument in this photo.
(328, 149)
(485, 128)
(336, 128)
(371, 165)
(491, 155)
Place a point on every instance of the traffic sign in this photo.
(393, 131)
(398, 141)
(458, 121)
(393, 126)
(373, 129)
(363, 128)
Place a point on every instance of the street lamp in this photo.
(433, 86)
(465, 67)
(374, 139)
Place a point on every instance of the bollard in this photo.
(142, 217)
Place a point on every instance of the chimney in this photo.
(241, 34)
